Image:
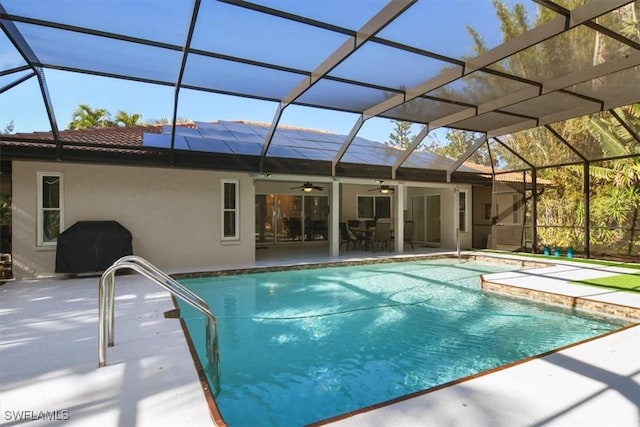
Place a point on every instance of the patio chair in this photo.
(353, 223)
(408, 233)
(382, 235)
(346, 237)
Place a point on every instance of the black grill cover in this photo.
(91, 246)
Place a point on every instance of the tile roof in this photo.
(121, 136)
(512, 177)
(289, 141)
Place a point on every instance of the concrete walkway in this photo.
(49, 351)
(48, 368)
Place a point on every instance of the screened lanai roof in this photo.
(435, 63)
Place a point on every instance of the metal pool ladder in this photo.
(106, 294)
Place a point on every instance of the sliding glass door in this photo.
(291, 218)
(425, 211)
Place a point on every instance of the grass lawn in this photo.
(627, 282)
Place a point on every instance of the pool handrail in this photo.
(106, 293)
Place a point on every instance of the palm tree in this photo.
(85, 117)
(165, 121)
(124, 119)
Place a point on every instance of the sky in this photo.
(23, 104)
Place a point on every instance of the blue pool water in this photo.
(304, 345)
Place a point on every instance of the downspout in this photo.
(534, 210)
(587, 210)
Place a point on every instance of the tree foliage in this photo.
(614, 182)
(124, 119)
(401, 135)
(166, 121)
(457, 143)
(87, 117)
(9, 127)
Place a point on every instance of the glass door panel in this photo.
(316, 213)
(419, 218)
(288, 218)
(433, 219)
(265, 226)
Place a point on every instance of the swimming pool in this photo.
(303, 345)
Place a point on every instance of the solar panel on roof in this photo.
(248, 137)
(163, 141)
(353, 158)
(281, 140)
(244, 127)
(338, 139)
(242, 140)
(422, 160)
(210, 145)
(315, 154)
(289, 133)
(181, 130)
(278, 151)
(358, 149)
(216, 133)
(245, 148)
(366, 142)
(308, 143)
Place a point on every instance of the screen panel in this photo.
(68, 49)
(163, 21)
(342, 96)
(401, 69)
(350, 14)
(234, 77)
(243, 33)
(443, 26)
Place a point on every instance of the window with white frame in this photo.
(230, 210)
(50, 214)
(462, 211)
(374, 207)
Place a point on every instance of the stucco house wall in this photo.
(174, 215)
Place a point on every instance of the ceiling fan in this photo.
(383, 188)
(307, 187)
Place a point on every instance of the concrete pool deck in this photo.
(48, 367)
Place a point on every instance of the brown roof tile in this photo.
(128, 136)
(514, 177)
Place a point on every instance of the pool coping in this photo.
(590, 305)
(525, 263)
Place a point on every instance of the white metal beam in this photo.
(526, 40)
(564, 82)
(387, 14)
(347, 142)
(478, 142)
(410, 149)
